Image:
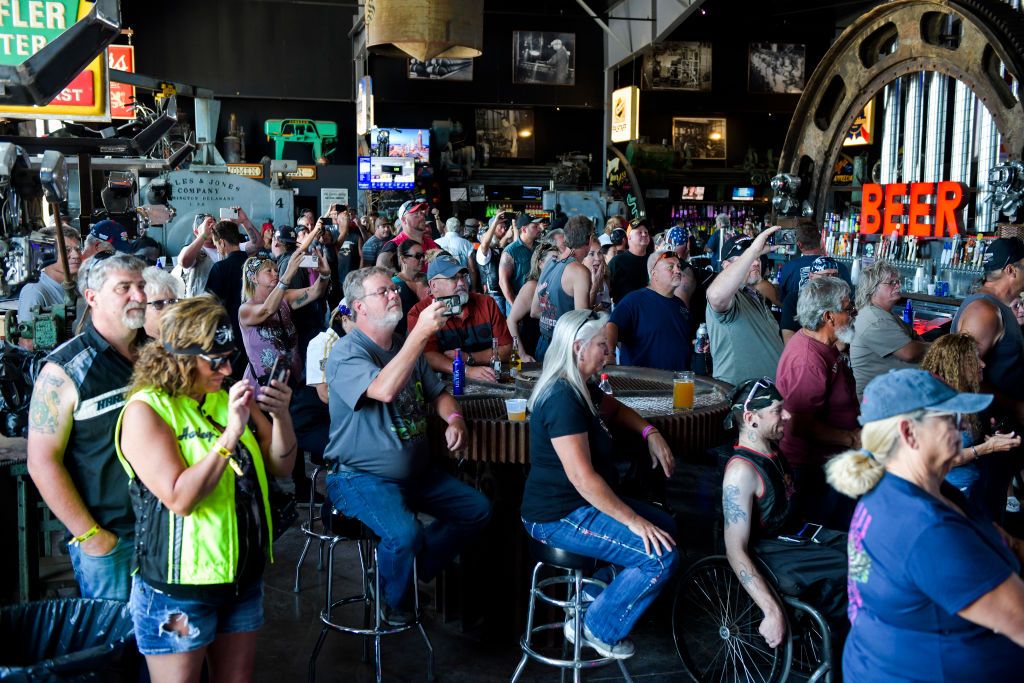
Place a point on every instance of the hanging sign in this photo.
(26, 27)
(920, 209)
(364, 105)
(121, 58)
(626, 114)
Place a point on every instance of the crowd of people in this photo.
(156, 433)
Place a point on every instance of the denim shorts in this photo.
(152, 609)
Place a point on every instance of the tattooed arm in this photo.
(51, 414)
(739, 487)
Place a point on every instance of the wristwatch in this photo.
(469, 359)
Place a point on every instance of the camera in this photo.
(785, 237)
(452, 304)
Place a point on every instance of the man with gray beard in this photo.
(745, 339)
(819, 391)
(76, 401)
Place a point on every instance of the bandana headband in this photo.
(253, 266)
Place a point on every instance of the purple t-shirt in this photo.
(815, 379)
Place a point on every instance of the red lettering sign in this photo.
(921, 209)
(79, 91)
(122, 58)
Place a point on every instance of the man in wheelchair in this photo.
(805, 560)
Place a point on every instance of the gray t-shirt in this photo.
(745, 340)
(385, 439)
(47, 292)
(877, 335)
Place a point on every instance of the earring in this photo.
(754, 425)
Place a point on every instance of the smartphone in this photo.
(340, 207)
(229, 214)
(308, 261)
(785, 237)
(278, 371)
(452, 304)
(327, 221)
(807, 534)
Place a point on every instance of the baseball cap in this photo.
(472, 223)
(1002, 252)
(605, 240)
(559, 222)
(736, 246)
(444, 266)
(904, 391)
(523, 220)
(636, 223)
(286, 234)
(823, 263)
(653, 259)
(114, 234)
(412, 206)
(618, 236)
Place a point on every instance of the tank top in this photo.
(275, 336)
(1004, 362)
(489, 271)
(554, 301)
(775, 505)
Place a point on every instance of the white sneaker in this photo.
(624, 649)
(1012, 504)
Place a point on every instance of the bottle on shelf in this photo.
(458, 374)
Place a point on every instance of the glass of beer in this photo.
(682, 391)
(516, 408)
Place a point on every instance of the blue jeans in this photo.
(386, 506)
(106, 577)
(503, 306)
(587, 531)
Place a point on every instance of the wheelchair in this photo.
(714, 625)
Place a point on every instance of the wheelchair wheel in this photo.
(812, 652)
(714, 624)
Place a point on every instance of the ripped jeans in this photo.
(165, 625)
(587, 531)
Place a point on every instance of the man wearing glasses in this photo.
(49, 290)
(76, 401)
(472, 330)
(817, 385)
(881, 340)
(379, 385)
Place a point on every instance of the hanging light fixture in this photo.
(425, 29)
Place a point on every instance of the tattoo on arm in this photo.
(746, 577)
(302, 299)
(45, 406)
(734, 514)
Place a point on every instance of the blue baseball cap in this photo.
(114, 234)
(444, 266)
(904, 391)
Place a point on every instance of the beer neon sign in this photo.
(920, 209)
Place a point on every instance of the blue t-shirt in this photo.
(914, 563)
(795, 272)
(654, 330)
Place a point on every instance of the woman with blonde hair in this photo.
(954, 359)
(199, 486)
(934, 586)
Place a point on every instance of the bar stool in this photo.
(574, 566)
(310, 526)
(349, 529)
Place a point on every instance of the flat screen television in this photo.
(392, 173)
(743, 194)
(694, 192)
(532, 192)
(363, 173)
(412, 143)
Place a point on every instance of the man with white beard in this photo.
(76, 401)
(819, 391)
(745, 339)
(472, 329)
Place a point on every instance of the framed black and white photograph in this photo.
(678, 66)
(441, 69)
(777, 68)
(544, 58)
(699, 138)
(505, 133)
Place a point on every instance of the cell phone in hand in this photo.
(229, 214)
(327, 221)
(278, 371)
(308, 261)
(452, 304)
(785, 237)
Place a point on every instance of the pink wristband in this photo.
(648, 430)
(453, 416)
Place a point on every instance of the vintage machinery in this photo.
(322, 135)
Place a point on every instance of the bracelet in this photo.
(648, 430)
(282, 286)
(325, 277)
(77, 540)
(454, 415)
(975, 450)
(230, 457)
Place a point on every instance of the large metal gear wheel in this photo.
(895, 39)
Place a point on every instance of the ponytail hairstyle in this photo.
(856, 472)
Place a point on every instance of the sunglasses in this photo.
(763, 383)
(216, 362)
(593, 316)
(418, 257)
(160, 304)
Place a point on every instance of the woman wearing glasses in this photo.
(162, 290)
(199, 458)
(570, 500)
(934, 587)
(411, 280)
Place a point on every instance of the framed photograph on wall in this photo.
(505, 133)
(440, 69)
(699, 138)
(678, 66)
(776, 68)
(543, 58)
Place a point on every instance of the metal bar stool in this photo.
(574, 605)
(342, 529)
(309, 526)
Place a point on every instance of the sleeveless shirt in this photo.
(775, 505)
(554, 301)
(1004, 362)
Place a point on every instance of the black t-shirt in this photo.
(789, 321)
(627, 273)
(549, 495)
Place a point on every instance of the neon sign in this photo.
(920, 209)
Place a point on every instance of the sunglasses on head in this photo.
(765, 383)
